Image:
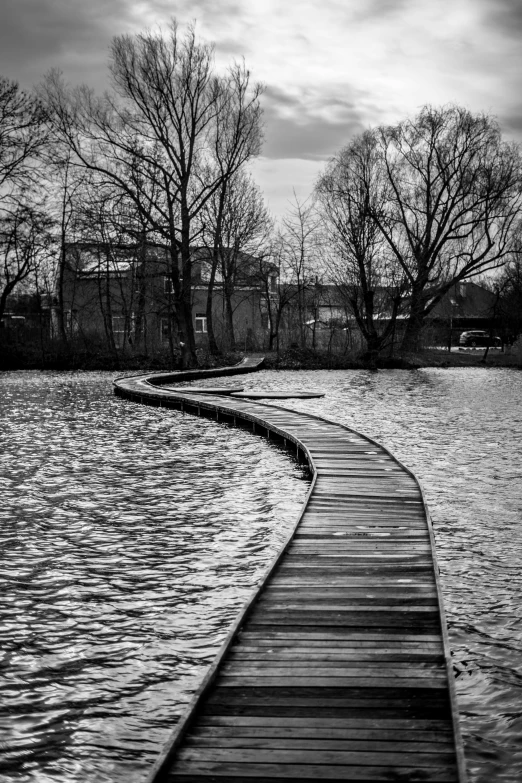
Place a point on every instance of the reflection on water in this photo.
(130, 537)
(460, 431)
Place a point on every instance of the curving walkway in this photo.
(337, 667)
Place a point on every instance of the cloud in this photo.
(513, 123)
(505, 16)
(280, 179)
(332, 67)
(36, 35)
(377, 9)
(310, 123)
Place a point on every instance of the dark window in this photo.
(164, 330)
(201, 322)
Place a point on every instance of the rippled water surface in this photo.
(130, 537)
(460, 430)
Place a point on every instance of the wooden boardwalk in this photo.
(338, 667)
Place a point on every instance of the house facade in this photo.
(124, 297)
(467, 305)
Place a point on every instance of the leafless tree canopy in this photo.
(236, 228)
(168, 136)
(350, 192)
(429, 201)
(24, 227)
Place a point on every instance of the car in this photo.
(479, 339)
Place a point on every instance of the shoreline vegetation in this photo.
(131, 221)
(68, 359)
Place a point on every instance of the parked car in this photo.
(479, 339)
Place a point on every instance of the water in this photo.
(130, 538)
(126, 561)
(460, 431)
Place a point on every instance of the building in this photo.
(467, 305)
(123, 296)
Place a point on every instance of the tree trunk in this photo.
(411, 341)
(140, 325)
(187, 343)
(274, 323)
(106, 309)
(61, 273)
(364, 317)
(230, 339)
(183, 288)
(213, 347)
(3, 298)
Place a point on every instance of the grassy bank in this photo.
(71, 357)
(306, 359)
(59, 357)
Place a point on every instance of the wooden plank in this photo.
(199, 752)
(186, 770)
(363, 739)
(336, 684)
(325, 751)
(407, 726)
(339, 671)
(349, 657)
(335, 636)
(338, 696)
(299, 670)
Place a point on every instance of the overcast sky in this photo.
(331, 67)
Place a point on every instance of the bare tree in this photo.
(237, 229)
(350, 192)
(170, 119)
(278, 291)
(443, 204)
(67, 184)
(509, 287)
(300, 256)
(26, 242)
(454, 205)
(23, 134)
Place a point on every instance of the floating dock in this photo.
(338, 667)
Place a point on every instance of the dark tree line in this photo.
(25, 225)
(414, 208)
(400, 215)
(171, 135)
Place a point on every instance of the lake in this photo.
(132, 535)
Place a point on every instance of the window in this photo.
(118, 330)
(273, 284)
(164, 330)
(201, 323)
(71, 321)
(168, 285)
